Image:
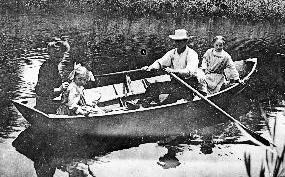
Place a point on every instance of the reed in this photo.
(274, 161)
(254, 9)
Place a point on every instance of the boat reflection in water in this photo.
(51, 151)
(74, 154)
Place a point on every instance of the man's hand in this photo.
(145, 68)
(170, 70)
(154, 66)
(149, 68)
(241, 82)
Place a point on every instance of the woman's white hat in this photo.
(179, 34)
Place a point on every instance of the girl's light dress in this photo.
(214, 63)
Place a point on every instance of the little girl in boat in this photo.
(74, 102)
(214, 63)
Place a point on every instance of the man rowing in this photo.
(182, 61)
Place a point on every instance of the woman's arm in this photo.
(206, 58)
(234, 75)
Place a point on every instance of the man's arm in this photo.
(192, 65)
(163, 62)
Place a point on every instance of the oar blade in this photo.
(254, 137)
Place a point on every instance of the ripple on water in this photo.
(28, 75)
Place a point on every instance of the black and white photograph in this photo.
(142, 88)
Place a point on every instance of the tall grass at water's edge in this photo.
(254, 9)
(274, 161)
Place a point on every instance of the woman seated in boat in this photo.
(214, 62)
(74, 101)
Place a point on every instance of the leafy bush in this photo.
(254, 9)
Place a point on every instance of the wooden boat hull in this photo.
(177, 119)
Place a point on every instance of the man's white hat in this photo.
(179, 34)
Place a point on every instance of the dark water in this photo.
(107, 44)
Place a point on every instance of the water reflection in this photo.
(51, 151)
(69, 152)
(28, 73)
(169, 160)
(9, 80)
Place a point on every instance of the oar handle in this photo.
(201, 96)
(120, 72)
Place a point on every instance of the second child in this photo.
(74, 101)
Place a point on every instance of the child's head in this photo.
(219, 42)
(80, 75)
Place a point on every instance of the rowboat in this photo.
(176, 119)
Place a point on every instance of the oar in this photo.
(260, 139)
(120, 72)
